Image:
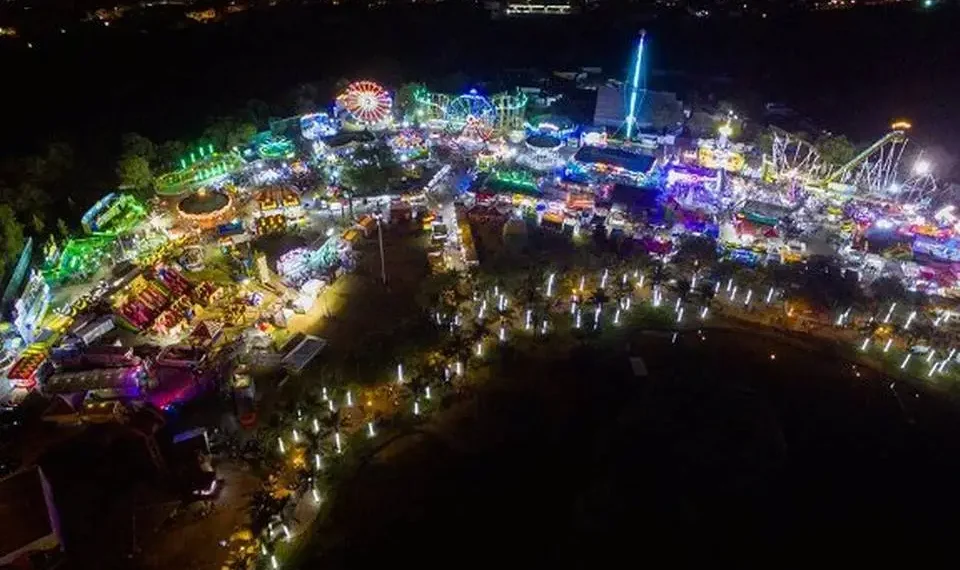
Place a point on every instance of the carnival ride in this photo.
(303, 264)
(276, 148)
(139, 303)
(30, 309)
(408, 145)
(368, 105)
(206, 208)
(114, 214)
(503, 112)
(76, 259)
(635, 87)
(792, 158)
(472, 115)
(555, 125)
(201, 167)
(317, 125)
(511, 109)
(875, 168)
(541, 152)
(877, 171)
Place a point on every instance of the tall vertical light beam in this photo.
(635, 86)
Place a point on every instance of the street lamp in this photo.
(383, 267)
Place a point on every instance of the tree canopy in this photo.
(11, 237)
(224, 133)
(371, 171)
(134, 172)
(835, 150)
(404, 99)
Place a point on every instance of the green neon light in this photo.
(277, 148)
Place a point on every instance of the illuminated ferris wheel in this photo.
(367, 102)
(473, 112)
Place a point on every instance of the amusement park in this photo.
(225, 280)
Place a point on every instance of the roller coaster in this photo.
(876, 171)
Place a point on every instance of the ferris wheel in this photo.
(473, 111)
(367, 102)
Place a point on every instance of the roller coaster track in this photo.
(897, 136)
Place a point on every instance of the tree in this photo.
(825, 287)
(58, 161)
(228, 132)
(405, 101)
(133, 144)
(701, 124)
(258, 112)
(304, 98)
(36, 221)
(170, 153)
(11, 236)
(63, 228)
(835, 150)
(371, 171)
(764, 142)
(664, 111)
(699, 251)
(134, 172)
(888, 289)
(26, 197)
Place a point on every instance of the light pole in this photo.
(383, 267)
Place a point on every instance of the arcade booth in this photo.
(279, 199)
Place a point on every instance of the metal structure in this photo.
(366, 102)
(793, 158)
(511, 110)
(878, 170)
(635, 88)
(430, 106)
(875, 169)
(469, 110)
(502, 112)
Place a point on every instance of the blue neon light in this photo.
(635, 88)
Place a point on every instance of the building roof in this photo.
(764, 212)
(125, 378)
(303, 352)
(610, 110)
(26, 507)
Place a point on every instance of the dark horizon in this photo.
(852, 72)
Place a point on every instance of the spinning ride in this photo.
(206, 208)
(367, 103)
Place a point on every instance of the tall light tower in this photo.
(635, 86)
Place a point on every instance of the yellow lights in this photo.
(901, 125)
